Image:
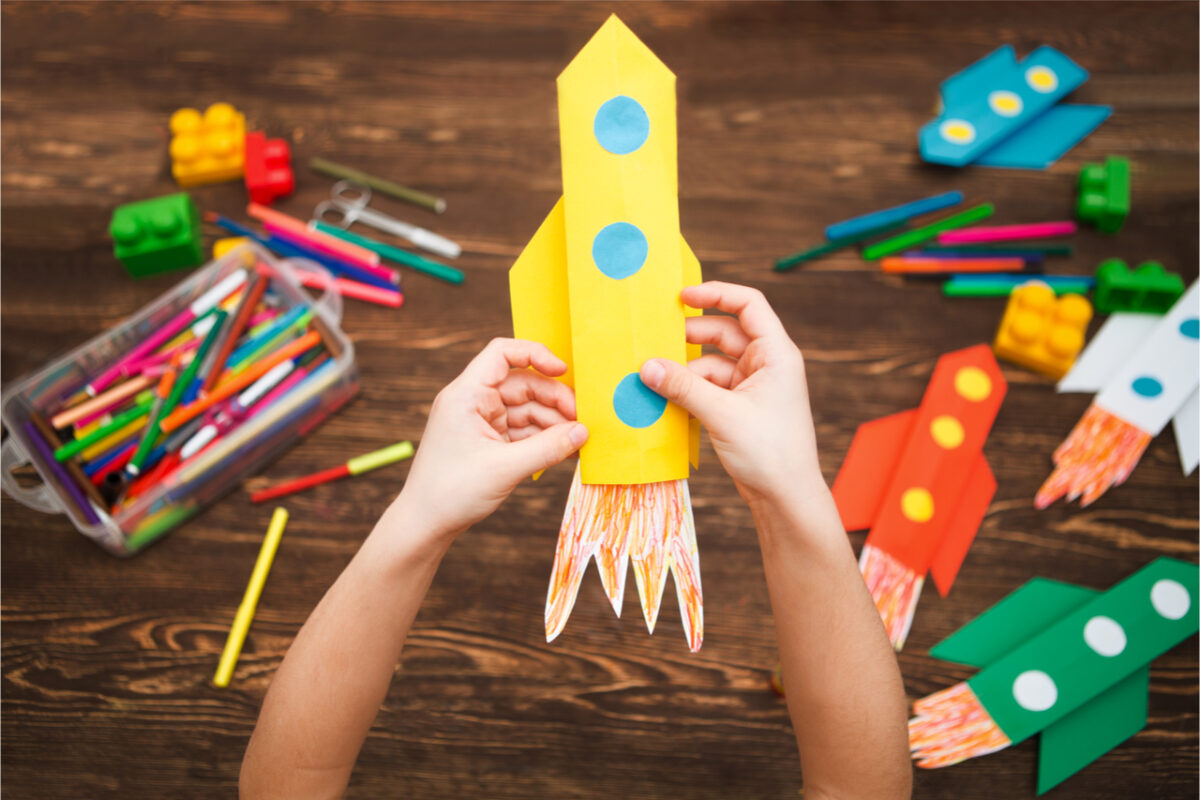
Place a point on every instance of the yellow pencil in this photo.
(245, 612)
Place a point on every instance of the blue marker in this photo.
(891, 216)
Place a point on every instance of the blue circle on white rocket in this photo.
(636, 404)
(620, 250)
(621, 125)
(1147, 386)
(1190, 328)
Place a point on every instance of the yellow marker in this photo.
(245, 612)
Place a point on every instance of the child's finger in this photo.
(533, 413)
(494, 361)
(543, 449)
(715, 369)
(680, 385)
(523, 386)
(725, 333)
(749, 305)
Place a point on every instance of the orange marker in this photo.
(927, 266)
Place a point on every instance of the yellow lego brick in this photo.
(208, 148)
(1041, 332)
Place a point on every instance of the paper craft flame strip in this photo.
(1138, 396)
(599, 284)
(1062, 660)
(919, 481)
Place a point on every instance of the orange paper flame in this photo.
(1100, 452)
(895, 589)
(951, 726)
(650, 524)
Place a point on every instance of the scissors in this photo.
(348, 203)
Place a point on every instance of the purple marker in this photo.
(35, 437)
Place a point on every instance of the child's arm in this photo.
(843, 685)
(494, 425)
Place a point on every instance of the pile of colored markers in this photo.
(233, 356)
(979, 261)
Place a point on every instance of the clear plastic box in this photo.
(214, 471)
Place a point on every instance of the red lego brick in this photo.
(268, 168)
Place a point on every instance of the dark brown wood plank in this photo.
(790, 117)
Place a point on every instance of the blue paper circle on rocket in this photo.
(621, 125)
(636, 404)
(620, 250)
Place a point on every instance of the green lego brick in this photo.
(157, 235)
(1149, 289)
(1104, 194)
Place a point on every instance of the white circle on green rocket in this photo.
(1034, 690)
(621, 125)
(620, 250)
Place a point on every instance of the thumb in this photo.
(683, 387)
(545, 448)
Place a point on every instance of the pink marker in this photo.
(347, 288)
(1006, 233)
(290, 228)
(199, 306)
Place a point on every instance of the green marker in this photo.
(828, 247)
(1065, 661)
(402, 257)
(1014, 252)
(919, 235)
(72, 448)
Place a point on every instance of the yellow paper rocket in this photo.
(599, 284)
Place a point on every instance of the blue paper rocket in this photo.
(1001, 113)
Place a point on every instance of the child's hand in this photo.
(753, 399)
(491, 427)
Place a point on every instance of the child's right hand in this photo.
(753, 399)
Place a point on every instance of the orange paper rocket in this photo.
(919, 481)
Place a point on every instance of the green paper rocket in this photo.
(1070, 663)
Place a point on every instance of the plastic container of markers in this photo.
(206, 476)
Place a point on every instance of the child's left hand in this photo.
(490, 428)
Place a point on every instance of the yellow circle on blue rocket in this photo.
(620, 250)
(636, 404)
(621, 125)
(1005, 103)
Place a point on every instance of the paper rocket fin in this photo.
(1187, 433)
(868, 466)
(1045, 139)
(961, 528)
(692, 277)
(1093, 729)
(1118, 339)
(537, 285)
(1021, 615)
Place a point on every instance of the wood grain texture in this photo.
(790, 117)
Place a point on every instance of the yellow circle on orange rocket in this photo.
(917, 504)
(972, 383)
(946, 431)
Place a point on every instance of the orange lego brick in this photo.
(209, 147)
(1041, 332)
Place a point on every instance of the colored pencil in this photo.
(234, 385)
(905, 265)
(1001, 250)
(891, 216)
(232, 332)
(1007, 233)
(102, 402)
(435, 269)
(820, 250)
(435, 204)
(918, 235)
(245, 612)
(165, 387)
(200, 306)
(73, 491)
(355, 466)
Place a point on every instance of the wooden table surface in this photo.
(790, 117)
